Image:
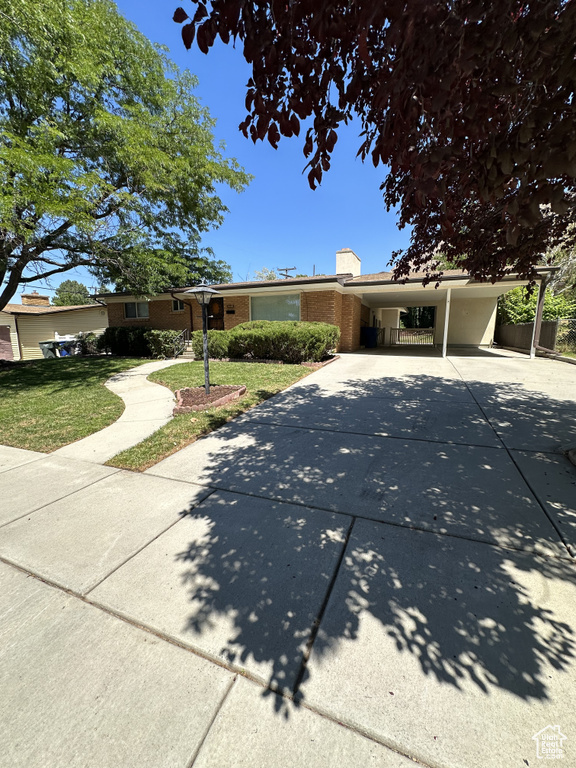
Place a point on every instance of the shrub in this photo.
(125, 340)
(217, 344)
(161, 343)
(517, 306)
(88, 343)
(288, 341)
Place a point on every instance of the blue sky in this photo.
(277, 221)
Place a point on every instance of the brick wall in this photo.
(350, 323)
(319, 307)
(161, 316)
(365, 315)
(241, 307)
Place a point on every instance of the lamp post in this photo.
(203, 295)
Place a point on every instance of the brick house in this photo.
(465, 311)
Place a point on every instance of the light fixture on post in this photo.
(203, 295)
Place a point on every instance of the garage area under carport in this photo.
(465, 310)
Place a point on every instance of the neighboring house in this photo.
(465, 309)
(23, 326)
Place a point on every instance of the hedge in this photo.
(125, 340)
(161, 343)
(217, 344)
(288, 341)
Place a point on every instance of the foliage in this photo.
(71, 293)
(161, 343)
(266, 274)
(45, 404)
(88, 343)
(106, 158)
(125, 340)
(518, 306)
(419, 317)
(564, 257)
(288, 341)
(468, 105)
(217, 344)
(262, 381)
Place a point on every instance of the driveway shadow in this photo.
(471, 614)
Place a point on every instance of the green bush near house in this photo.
(161, 343)
(217, 344)
(288, 341)
(126, 340)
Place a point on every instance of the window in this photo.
(177, 305)
(286, 307)
(136, 309)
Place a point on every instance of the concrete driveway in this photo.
(376, 566)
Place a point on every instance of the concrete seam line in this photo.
(371, 434)
(18, 466)
(304, 505)
(115, 470)
(318, 620)
(211, 723)
(523, 476)
(143, 547)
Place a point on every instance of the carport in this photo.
(465, 309)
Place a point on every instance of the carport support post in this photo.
(538, 318)
(446, 322)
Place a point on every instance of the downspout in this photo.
(189, 308)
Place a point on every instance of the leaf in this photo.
(188, 35)
(180, 15)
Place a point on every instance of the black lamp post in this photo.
(203, 295)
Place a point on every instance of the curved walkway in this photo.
(148, 407)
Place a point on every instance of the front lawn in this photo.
(262, 380)
(45, 404)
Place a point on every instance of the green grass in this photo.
(45, 404)
(261, 379)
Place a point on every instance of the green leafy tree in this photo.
(106, 158)
(70, 293)
(519, 306)
(266, 274)
(467, 105)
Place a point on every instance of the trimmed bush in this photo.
(161, 343)
(88, 343)
(125, 340)
(217, 344)
(288, 341)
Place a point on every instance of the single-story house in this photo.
(23, 326)
(465, 313)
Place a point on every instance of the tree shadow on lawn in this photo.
(470, 613)
(62, 374)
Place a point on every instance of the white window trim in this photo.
(180, 309)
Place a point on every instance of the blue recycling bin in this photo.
(370, 337)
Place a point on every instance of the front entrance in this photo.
(216, 314)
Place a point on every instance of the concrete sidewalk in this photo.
(148, 407)
(374, 567)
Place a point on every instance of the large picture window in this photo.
(136, 309)
(286, 307)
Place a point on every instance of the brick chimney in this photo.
(35, 300)
(347, 262)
